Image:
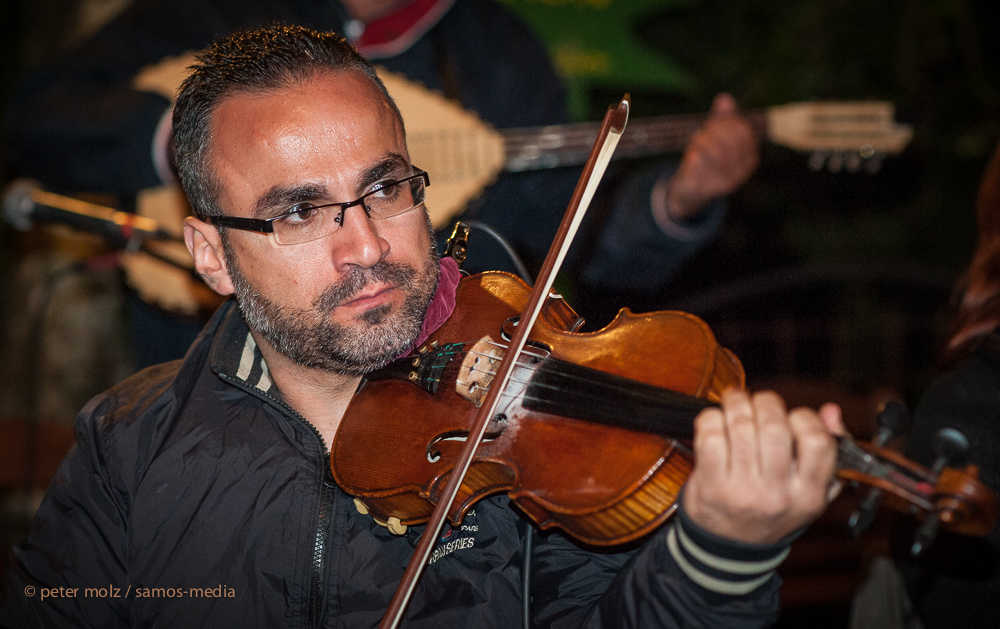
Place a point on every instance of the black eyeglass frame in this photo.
(266, 225)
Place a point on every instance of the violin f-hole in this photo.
(495, 429)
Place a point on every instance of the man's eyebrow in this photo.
(392, 165)
(280, 198)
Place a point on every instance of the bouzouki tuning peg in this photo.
(852, 162)
(816, 161)
(836, 163)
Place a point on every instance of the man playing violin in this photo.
(211, 474)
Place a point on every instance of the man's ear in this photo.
(205, 244)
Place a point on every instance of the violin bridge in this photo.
(478, 369)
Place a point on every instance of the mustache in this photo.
(358, 279)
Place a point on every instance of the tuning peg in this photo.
(836, 163)
(852, 162)
(864, 515)
(950, 446)
(893, 419)
(817, 160)
(925, 535)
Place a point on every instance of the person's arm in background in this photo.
(661, 217)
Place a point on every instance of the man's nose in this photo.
(358, 241)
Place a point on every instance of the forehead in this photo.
(327, 130)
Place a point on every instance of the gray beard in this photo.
(310, 339)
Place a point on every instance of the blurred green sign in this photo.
(592, 43)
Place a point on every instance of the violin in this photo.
(593, 433)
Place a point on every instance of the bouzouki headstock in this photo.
(839, 135)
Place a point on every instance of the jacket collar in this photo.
(235, 355)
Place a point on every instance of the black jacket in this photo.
(195, 497)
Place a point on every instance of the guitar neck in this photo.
(536, 148)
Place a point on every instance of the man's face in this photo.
(355, 299)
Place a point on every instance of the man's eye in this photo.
(389, 190)
(301, 212)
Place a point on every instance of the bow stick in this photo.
(611, 131)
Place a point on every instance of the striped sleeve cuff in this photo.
(719, 565)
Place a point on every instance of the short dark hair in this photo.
(259, 60)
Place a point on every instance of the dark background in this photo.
(870, 259)
(827, 285)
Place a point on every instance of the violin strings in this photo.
(518, 377)
(851, 455)
(873, 465)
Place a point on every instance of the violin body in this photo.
(589, 435)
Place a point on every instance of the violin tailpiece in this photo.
(423, 369)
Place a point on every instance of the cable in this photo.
(515, 259)
(526, 576)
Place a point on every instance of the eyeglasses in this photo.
(305, 222)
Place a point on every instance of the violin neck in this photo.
(881, 468)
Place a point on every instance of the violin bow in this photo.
(600, 155)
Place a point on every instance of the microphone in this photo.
(25, 202)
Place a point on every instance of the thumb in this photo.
(832, 417)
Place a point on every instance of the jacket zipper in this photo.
(318, 572)
(319, 551)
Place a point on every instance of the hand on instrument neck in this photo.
(761, 472)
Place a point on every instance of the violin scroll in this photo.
(944, 497)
